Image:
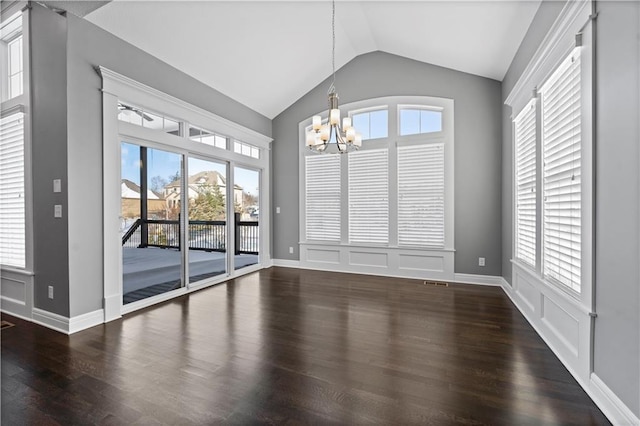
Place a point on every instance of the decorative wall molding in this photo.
(119, 85)
(573, 355)
(558, 42)
(16, 293)
(382, 261)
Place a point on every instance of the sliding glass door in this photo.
(214, 213)
(152, 262)
(247, 216)
(207, 209)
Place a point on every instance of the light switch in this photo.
(57, 185)
(57, 210)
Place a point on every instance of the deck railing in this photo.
(207, 235)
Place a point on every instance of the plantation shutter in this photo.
(369, 196)
(12, 207)
(322, 179)
(561, 138)
(421, 195)
(525, 141)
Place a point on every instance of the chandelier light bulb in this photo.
(317, 122)
(325, 132)
(346, 123)
(334, 117)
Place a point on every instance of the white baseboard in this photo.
(478, 279)
(67, 325)
(285, 263)
(50, 320)
(84, 321)
(612, 407)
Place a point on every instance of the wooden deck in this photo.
(290, 346)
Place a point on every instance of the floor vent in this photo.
(436, 283)
(5, 324)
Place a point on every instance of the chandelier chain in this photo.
(332, 88)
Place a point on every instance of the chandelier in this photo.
(344, 136)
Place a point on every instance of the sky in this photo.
(166, 164)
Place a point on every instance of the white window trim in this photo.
(116, 87)
(563, 319)
(21, 103)
(430, 263)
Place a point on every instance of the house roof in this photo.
(129, 189)
(207, 177)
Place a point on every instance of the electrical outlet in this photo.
(278, 210)
(50, 292)
(57, 211)
(290, 250)
(481, 261)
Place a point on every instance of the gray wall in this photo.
(617, 345)
(68, 49)
(617, 204)
(49, 158)
(477, 149)
(545, 17)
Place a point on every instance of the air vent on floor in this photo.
(5, 324)
(436, 283)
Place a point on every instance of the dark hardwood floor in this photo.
(289, 346)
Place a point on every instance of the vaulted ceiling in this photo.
(267, 54)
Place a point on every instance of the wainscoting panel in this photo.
(323, 255)
(526, 290)
(559, 318)
(392, 261)
(367, 258)
(16, 293)
(561, 323)
(417, 262)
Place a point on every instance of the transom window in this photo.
(246, 149)
(414, 121)
(371, 124)
(207, 137)
(141, 117)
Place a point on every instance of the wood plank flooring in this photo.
(289, 346)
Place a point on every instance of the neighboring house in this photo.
(197, 182)
(130, 196)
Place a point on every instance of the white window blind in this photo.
(561, 147)
(369, 196)
(421, 195)
(12, 208)
(322, 210)
(525, 172)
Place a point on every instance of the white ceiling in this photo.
(268, 54)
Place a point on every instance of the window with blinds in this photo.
(12, 206)
(525, 174)
(561, 174)
(369, 196)
(421, 195)
(322, 209)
